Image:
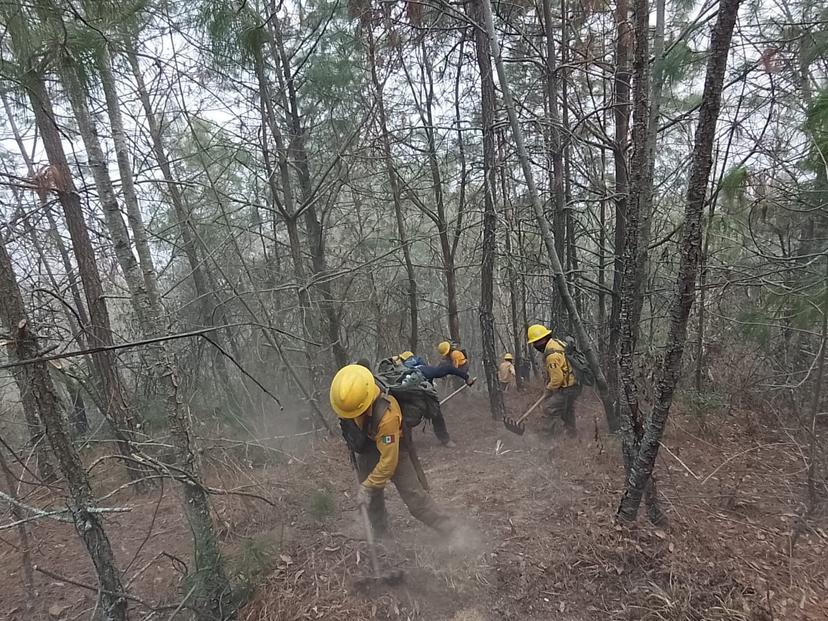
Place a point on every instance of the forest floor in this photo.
(539, 510)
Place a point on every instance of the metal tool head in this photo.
(514, 426)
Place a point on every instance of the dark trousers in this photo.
(411, 490)
(561, 404)
(440, 430)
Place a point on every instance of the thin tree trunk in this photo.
(631, 419)
(315, 232)
(99, 329)
(446, 249)
(133, 208)
(211, 312)
(37, 383)
(487, 104)
(621, 110)
(212, 587)
(22, 534)
(554, 145)
(682, 301)
(393, 182)
(646, 191)
(633, 275)
(546, 233)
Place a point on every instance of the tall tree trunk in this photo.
(487, 104)
(645, 198)
(212, 588)
(621, 110)
(554, 145)
(633, 276)
(99, 167)
(210, 310)
(393, 182)
(426, 113)
(682, 300)
(313, 224)
(133, 208)
(99, 329)
(37, 383)
(546, 233)
(631, 420)
(286, 207)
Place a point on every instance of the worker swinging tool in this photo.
(382, 450)
(567, 372)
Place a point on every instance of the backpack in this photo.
(414, 362)
(578, 363)
(416, 395)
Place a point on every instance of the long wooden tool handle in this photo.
(531, 409)
(366, 522)
(463, 387)
(369, 536)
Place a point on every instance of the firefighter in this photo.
(506, 373)
(562, 387)
(372, 425)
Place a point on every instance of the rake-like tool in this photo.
(517, 426)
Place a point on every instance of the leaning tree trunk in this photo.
(682, 302)
(99, 330)
(38, 384)
(211, 586)
(487, 104)
(543, 225)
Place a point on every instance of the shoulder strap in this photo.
(378, 410)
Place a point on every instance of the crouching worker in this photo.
(372, 424)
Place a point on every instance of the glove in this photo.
(364, 495)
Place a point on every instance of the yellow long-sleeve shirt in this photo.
(387, 438)
(557, 368)
(506, 372)
(457, 358)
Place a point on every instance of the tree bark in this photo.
(554, 145)
(684, 294)
(37, 383)
(621, 111)
(99, 329)
(487, 104)
(546, 233)
(133, 208)
(631, 420)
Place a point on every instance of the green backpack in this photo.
(578, 363)
(417, 396)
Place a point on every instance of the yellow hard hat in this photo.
(406, 355)
(353, 390)
(444, 348)
(508, 357)
(537, 332)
